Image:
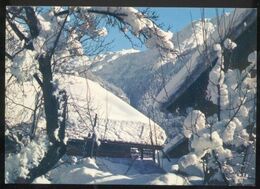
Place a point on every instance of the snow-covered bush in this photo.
(194, 123)
(18, 165)
(191, 165)
(217, 141)
(216, 86)
(228, 44)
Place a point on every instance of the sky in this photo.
(176, 18)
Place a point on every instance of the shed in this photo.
(108, 148)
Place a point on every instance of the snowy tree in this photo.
(41, 42)
(223, 142)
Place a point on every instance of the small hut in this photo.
(108, 148)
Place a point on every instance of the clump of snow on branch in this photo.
(224, 137)
(194, 123)
(24, 65)
(75, 45)
(203, 141)
(252, 57)
(217, 89)
(190, 164)
(228, 44)
(157, 38)
(56, 134)
(242, 90)
(13, 43)
(217, 47)
(49, 26)
(59, 94)
(229, 133)
(90, 26)
(41, 180)
(18, 165)
(231, 78)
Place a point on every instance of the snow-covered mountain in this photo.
(193, 34)
(144, 73)
(131, 70)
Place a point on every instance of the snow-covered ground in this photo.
(123, 171)
(110, 171)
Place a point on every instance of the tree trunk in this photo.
(58, 148)
(50, 101)
(55, 152)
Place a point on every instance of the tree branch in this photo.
(234, 115)
(62, 13)
(220, 167)
(19, 103)
(20, 35)
(38, 79)
(8, 55)
(16, 30)
(35, 116)
(58, 37)
(116, 15)
(32, 21)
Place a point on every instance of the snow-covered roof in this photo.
(117, 120)
(197, 64)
